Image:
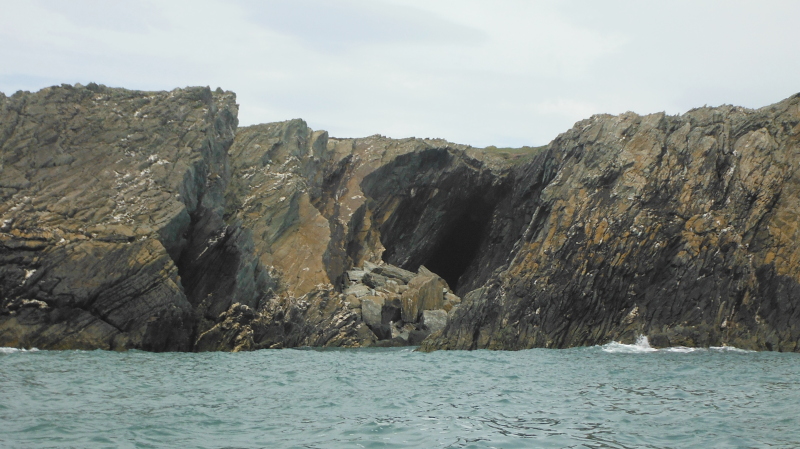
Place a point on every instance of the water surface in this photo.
(614, 396)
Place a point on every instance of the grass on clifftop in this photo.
(514, 155)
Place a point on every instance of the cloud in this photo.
(507, 73)
(339, 25)
(128, 16)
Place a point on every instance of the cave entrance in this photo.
(459, 244)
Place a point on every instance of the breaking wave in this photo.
(5, 350)
(642, 346)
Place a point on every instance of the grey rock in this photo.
(371, 308)
(355, 276)
(416, 337)
(358, 290)
(434, 320)
(375, 281)
(393, 272)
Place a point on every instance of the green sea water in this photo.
(612, 396)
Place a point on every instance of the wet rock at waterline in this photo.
(148, 220)
(682, 228)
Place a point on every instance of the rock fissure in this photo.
(192, 234)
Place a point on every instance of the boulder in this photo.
(374, 280)
(358, 290)
(425, 292)
(382, 331)
(371, 310)
(434, 320)
(391, 271)
(355, 277)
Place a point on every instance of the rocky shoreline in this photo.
(149, 220)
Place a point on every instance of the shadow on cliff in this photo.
(435, 208)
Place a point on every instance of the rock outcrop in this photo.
(148, 220)
(134, 220)
(680, 228)
(101, 194)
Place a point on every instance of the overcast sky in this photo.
(505, 73)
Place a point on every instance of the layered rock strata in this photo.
(680, 228)
(135, 220)
(101, 191)
(148, 220)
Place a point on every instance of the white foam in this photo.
(642, 345)
(4, 350)
(729, 349)
(682, 349)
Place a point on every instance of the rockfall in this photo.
(150, 220)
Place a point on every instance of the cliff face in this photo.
(135, 220)
(147, 220)
(99, 191)
(684, 229)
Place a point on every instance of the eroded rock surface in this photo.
(134, 220)
(99, 189)
(147, 220)
(680, 228)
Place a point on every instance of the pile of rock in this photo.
(399, 306)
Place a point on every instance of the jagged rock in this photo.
(434, 320)
(276, 172)
(375, 280)
(681, 228)
(393, 272)
(136, 220)
(371, 308)
(425, 292)
(234, 332)
(318, 318)
(101, 193)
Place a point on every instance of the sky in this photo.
(477, 72)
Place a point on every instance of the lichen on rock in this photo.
(148, 220)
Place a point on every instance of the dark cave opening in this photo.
(459, 244)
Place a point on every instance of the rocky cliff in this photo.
(680, 228)
(147, 220)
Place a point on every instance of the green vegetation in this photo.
(514, 155)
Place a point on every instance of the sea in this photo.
(610, 396)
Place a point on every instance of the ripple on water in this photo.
(612, 396)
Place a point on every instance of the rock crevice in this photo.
(148, 220)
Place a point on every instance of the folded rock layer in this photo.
(148, 220)
(680, 228)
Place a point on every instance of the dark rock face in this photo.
(147, 220)
(99, 189)
(683, 229)
(134, 220)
